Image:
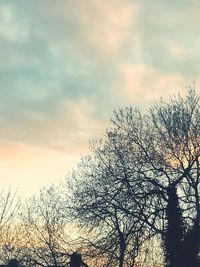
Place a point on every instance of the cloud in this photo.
(142, 84)
(67, 127)
(69, 50)
(107, 24)
(56, 52)
(92, 28)
(10, 29)
(169, 38)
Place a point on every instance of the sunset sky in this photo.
(65, 65)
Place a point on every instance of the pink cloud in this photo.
(142, 84)
(97, 28)
(107, 24)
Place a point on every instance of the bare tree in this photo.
(145, 175)
(44, 229)
(100, 201)
(166, 141)
(9, 208)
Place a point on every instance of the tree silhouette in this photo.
(100, 202)
(44, 229)
(147, 169)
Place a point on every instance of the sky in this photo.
(65, 65)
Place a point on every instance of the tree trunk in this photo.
(174, 233)
(191, 246)
(122, 251)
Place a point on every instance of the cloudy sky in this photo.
(65, 65)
